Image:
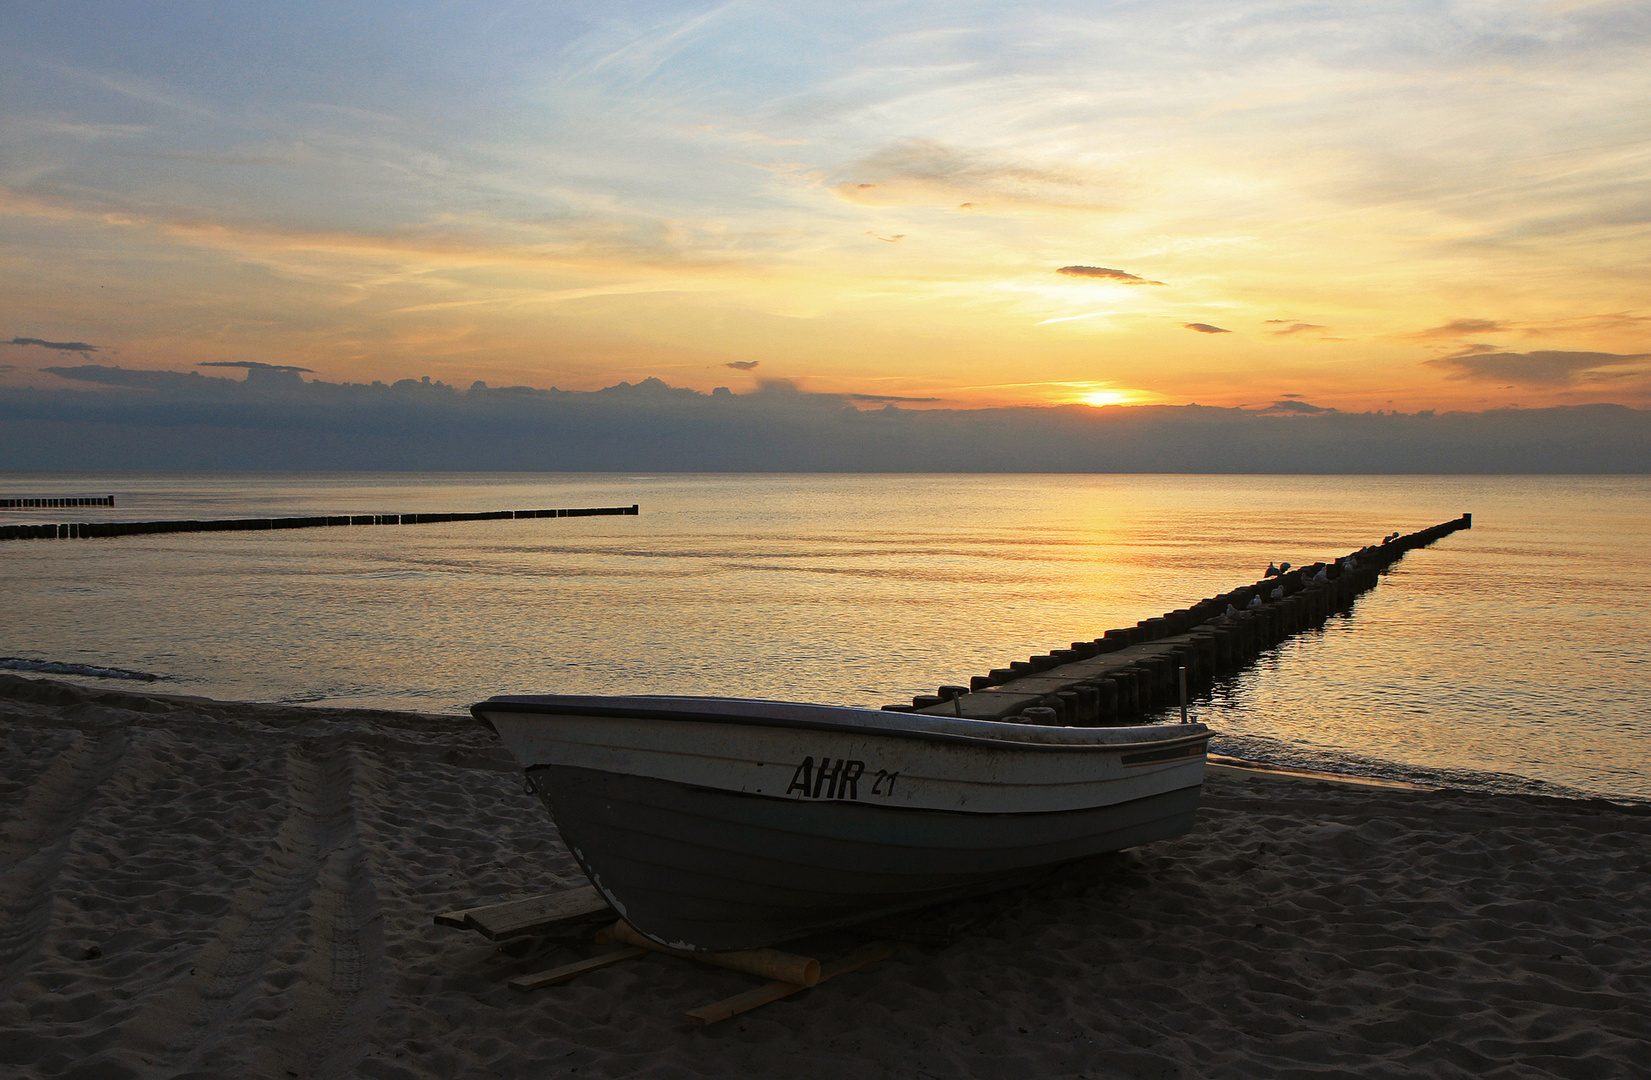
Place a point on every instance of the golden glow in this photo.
(1042, 236)
(1106, 397)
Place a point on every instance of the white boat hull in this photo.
(724, 824)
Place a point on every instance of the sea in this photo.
(1511, 657)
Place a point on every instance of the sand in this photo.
(201, 888)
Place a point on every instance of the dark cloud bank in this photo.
(128, 419)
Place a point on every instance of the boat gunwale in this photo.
(547, 705)
(879, 808)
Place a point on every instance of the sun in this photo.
(1106, 397)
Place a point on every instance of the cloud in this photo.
(578, 242)
(1297, 407)
(890, 398)
(1106, 272)
(1542, 368)
(742, 365)
(1206, 328)
(252, 365)
(918, 172)
(177, 420)
(65, 346)
(895, 239)
(1294, 327)
(1463, 327)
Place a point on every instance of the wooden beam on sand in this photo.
(531, 915)
(774, 991)
(765, 963)
(555, 975)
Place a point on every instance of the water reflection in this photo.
(1514, 647)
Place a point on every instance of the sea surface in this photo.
(1513, 656)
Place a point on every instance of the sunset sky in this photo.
(1397, 205)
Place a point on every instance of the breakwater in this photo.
(1127, 672)
(27, 502)
(86, 530)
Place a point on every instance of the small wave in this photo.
(1278, 752)
(52, 667)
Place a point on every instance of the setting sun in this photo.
(1107, 397)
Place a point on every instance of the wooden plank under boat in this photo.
(719, 824)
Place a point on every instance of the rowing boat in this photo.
(717, 824)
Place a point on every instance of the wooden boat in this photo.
(724, 823)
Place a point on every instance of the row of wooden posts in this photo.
(28, 503)
(1124, 673)
(86, 530)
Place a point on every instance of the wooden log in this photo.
(530, 915)
(768, 963)
(762, 995)
(551, 977)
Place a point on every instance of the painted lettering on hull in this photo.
(829, 778)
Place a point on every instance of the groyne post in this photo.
(100, 529)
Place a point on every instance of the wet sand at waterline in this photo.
(206, 888)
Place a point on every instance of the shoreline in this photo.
(202, 886)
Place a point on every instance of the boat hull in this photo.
(698, 868)
(717, 824)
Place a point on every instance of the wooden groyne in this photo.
(1125, 673)
(51, 503)
(86, 530)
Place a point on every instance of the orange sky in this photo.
(1432, 206)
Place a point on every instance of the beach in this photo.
(208, 888)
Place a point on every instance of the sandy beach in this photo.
(202, 888)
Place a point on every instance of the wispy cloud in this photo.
(1074, 318)
(1542, 368)
(134, 88)
(64, 346)
(1107, 273)
(252, 365)
(920, 172)
(1293, 327)
(1206, 328)
(889, 398)
(742, 365)
(1456, 328)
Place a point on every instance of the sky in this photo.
(1399, 205)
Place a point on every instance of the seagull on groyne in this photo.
(1272, 571)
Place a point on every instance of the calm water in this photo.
(1516, 650)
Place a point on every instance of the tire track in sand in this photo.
(34, 842)
(291, 977)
